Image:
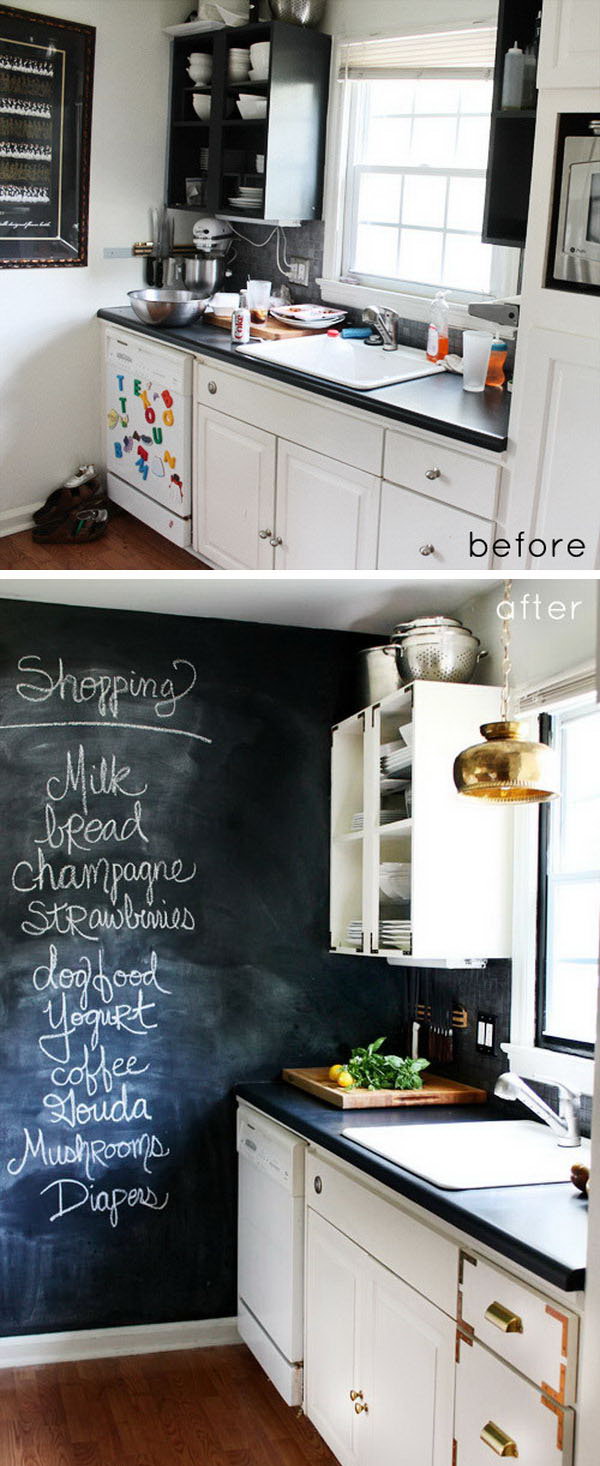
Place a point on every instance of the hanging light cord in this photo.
(506, 662)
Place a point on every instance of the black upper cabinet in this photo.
(223, 150)
(511, 135)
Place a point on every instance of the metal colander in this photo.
(436, 654)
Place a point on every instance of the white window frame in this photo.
(525, 1057)
(412, 304)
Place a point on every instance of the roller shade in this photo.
(447, 53)
(580, 683)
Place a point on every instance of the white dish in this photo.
(252, 109)
(259, 50)
(306, 322)
(238, 203)
(201, 105)
(258, 76)
(249, 191)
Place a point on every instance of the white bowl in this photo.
(260, 50)
(394, 880)
(250, 193)
(242, 52)
(260, 162)
(201, 106)
(258, 75)
(252, 109)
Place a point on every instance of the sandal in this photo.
(80, 527)
(83, 488)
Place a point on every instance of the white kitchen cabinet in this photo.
(327, 513)
(460, 904)
(498, 1412)
(570, 44)
(379, 1359)
(420, 533)
(234, 492)
(558, 450)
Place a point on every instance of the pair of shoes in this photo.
(84, 487)
(80, 527)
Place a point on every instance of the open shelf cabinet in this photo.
(512, 133)
(290, 138)
(452, 855)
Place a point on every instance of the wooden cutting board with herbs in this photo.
(373, 1080)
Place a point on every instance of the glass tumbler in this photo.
(259, 296)
(476, 355)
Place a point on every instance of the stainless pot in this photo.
(377, 675)
(299, 12)
(441, 654)
(201, 273)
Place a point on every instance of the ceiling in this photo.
(367, 603)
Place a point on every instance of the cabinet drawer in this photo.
(418, 533)
(350, 439)
(421, 1257)
(497, 1413)
(441, 472)
(538, 1337)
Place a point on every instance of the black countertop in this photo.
(542, 1228)
(437, 404)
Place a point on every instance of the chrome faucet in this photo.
(385, 322)
(565, 1124)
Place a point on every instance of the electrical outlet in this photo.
(300, 272)
(117, 254)
(486, 1033)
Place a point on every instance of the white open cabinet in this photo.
(453, 854)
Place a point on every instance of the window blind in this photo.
(580, 683)
(447, 53)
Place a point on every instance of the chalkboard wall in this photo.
(164, 935)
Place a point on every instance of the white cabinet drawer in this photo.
(351, 439)
(452, 477)
(421, 534)
(421, 1257)
(497, 1413)
(536, 1336)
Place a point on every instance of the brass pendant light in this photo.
(506, 768)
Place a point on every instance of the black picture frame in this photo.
(46, 89)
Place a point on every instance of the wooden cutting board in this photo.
(435, 1091)
(268, 330)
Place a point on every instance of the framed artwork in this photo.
(46, 84)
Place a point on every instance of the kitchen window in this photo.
(569, 886)
(405, 209)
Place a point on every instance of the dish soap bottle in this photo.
(437, 335)
(513, 78)
(496, 376)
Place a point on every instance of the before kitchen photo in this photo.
(297, 1107)
(300, 286)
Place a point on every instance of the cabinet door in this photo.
(570, 44)
(234, 492)
(335, 1270)
(497, 1411)
(408, 1369)
(326, 513)
(422, 534)
(558, 449)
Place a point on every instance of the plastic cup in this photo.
(259, 296)
(476, 357)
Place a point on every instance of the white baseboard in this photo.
(14, 520)
(109, 1343)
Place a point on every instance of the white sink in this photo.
(474, 1155)
(350, 363)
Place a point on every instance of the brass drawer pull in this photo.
(356, 1395)
(498, 1441)
(504, 1319)
(360, 1408)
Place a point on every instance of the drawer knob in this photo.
(212, 387)
(504, 1319)
(318, 1185)
(498, 1441)
(276, 541)
(265, 534)
(427, 550)
(360, 1408)
(356, 1395)
(433, 473)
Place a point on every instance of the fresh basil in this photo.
(372, 1070)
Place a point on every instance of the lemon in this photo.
(345, 1080)
(335, 1071)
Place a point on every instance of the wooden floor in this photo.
(201, 1407)
(127, 545)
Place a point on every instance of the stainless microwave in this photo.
(577, 255)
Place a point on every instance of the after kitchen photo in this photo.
(297, 1104)
(300, 285)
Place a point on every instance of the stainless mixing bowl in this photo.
(166, 307)
(299, 12)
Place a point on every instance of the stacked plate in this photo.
(239, 63)
(386, 817)
(396, 934)
(354, 931)
(247, 198)
(310, 317)
(395, 760)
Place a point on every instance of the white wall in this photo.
(403, 17)
(541, 646)
(49, 356)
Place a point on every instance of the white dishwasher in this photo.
(148, 432)
(271, 1248)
